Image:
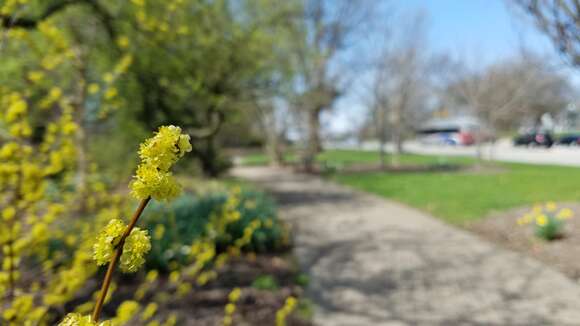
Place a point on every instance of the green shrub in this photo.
(175, 226)
(552, 229)
(265, 282)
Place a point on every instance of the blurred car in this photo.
(543, 139)
(448, 138)
(570, 140)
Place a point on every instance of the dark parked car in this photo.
(570, 140)
(544, 139)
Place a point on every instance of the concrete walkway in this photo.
(376, 262)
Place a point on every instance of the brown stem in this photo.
(11, 254)
(11, 281)
(116, 256)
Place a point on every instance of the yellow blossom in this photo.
(108, 78)
(158, 154)
(551, 206)
(110, 93)
(35, 76)
(136, 246)
(235, 295)
(150, 182)
(565, 214)
(107, 240)
(541, 220)
(149, 311)
(126, 312)
(165, 148)
(8, 213)
(94, 88)
(123, 42)
(74, 319)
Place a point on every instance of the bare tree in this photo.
(505, 94)
(559, 20)
(400, 84)
(330, 29)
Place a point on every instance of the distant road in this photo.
(502, 151)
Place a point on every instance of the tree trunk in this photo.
(397, 138)
(313, 143)
(382, 133)
(209, 160)
(274, 148)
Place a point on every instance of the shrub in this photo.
(265, 282)
(548, 221)
(177, 225)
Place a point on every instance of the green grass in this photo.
(462, 196)
(262, 159)
(459, 197)
(349, 157)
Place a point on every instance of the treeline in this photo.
(215, 67)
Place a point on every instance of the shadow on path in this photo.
(375, 262)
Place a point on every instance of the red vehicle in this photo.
(452, 131)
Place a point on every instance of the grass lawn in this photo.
(462, 196)
(348, 157)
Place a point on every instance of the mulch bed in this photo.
(563, 254)
(204, 306)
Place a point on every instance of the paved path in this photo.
(377, 262)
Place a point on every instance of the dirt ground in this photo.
(562, 254)
(204, 306)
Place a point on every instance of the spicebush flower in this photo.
(126, 311)
(136, 246)
(158, 154)
(149, 181)
(165, 148)
(74, 319)
(107, 240)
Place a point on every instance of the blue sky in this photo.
(484, 27)
(478, 31)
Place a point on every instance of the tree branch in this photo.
(12, 21)
(8, 21)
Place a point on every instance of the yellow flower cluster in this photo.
(126, 311)
(23, 310)
(158, 154)
(107, 239)
(136, 246)
(540, 215)
(10, 6)
(285, 311)
(230, 308)
(74, 319)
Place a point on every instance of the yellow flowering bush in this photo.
(127, 244)
(60, 218)
(548, 220)
(285, 311)
(230, 307)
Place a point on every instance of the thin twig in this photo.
(116, 256)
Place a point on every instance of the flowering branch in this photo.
(115, 259)
(127, 244)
